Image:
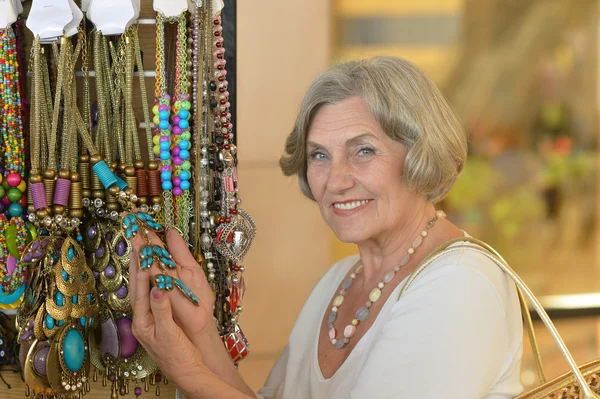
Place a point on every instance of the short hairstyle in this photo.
(409, 108)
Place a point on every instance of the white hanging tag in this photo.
(72, 27)
(170, 8)
(85, 5)
(217, 6)
(137, 6)
(111, 17)
(19, 6)
(8, 14)
(48, 18)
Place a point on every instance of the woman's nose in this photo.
(340, 177)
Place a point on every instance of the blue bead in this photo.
(165, 145)
(59, 298)
(126, 223)
(164, 115)
(15, 209)
(184, 114)
(185, 175)
(135, 228)
(128, 233)
(75, 299)
(70, 254)
(89, 297)
(161, 286)
(82, 321)
(184, 124)
(49, 322)
(164, 125)
(165, 155)
(144, 264)
(184, 154)
(184, 185)
(65, 275)
(165, 175)
(167, 185)
(73, 350)
(79, 238)
(60, 323)
(184, 145)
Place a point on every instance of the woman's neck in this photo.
(382, 254)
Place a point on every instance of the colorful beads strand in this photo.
(13, 230)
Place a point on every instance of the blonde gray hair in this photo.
(409, 108)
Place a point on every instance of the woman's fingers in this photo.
(161, 310)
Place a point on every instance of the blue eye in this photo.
(366, 151)
(318, 156)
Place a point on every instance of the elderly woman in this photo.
(375, 145)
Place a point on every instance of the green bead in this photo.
(186, 135)
(11, 240)
(14, 194)
(186, 165)
(186, 105)
(2, 192)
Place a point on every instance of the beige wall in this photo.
(282, 45)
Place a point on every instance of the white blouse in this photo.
(457, 333)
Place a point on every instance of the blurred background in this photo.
(523, 76)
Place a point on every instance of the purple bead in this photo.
(91, 232)
(137, 391)
(177, 130)
(109, 271)
(109, 342)
(175, 151)
(108, 236)
(121, 248)
(111, 378)
(2, 207)
(177, 181)
(185, 97)
(28, 258)
(176, 120)
(165, 138)
(177, 191)
(26, 335)
(165, 168)
(99, 252)
(121, 292)
(129, 343)
(39, 360)
(177, 160)
(96, 274)
(167, 97)
(163, 107)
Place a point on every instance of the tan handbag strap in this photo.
(524, 293)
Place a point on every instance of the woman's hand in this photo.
(179, 335)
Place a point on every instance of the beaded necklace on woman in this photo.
(363, 312)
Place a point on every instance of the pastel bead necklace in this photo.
(374, 295)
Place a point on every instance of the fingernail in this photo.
(157, 294)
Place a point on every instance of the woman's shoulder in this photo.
(468, 269)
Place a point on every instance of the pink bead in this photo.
(224, 72)
(177, 181)
(353, 276)
(177, 191)
(228, 116)
(185, 97)
(163, 107)
(349, 331)
(176, 120)
(13, 179)
(165, 168)
(167, 97)
(177, 160)
(226, 94)
(228, 104)
(165, 138)
(6, 201)
(332, 333)
(177, 130)
(175, 151)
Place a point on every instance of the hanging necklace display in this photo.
(61, 302)
(13, 191)
(226, 231)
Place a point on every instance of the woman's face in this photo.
(355, 173)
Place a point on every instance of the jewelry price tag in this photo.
(112, 17)
(8, 13)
